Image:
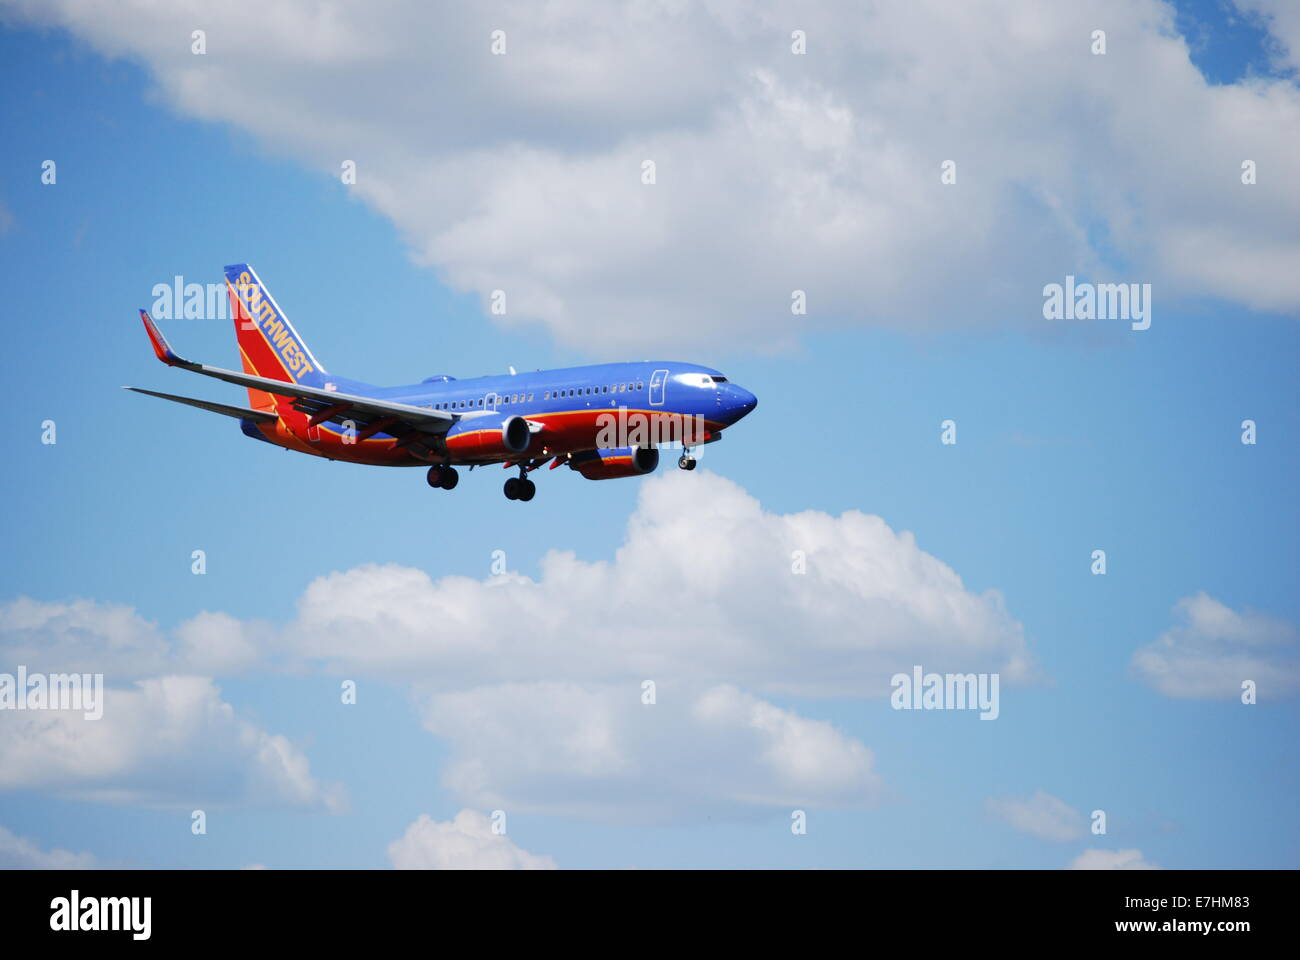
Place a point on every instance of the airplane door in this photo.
(490, 401)
(657, 381)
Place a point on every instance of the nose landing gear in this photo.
(686, 461)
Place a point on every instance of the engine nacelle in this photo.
(488, 436)
(608, 463)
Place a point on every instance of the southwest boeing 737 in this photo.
(604, 421)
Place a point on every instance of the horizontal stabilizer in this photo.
(239, 413)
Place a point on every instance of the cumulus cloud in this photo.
(217, 643)
(1281, 18)
(774, 171)
(464, 843)
(1111, 860)
(167, 742)
(702, 589)
(1214, 649)
(81, 636)
(20, 853)
(702, 600)
(601, 752)
(84, 636)
(537, 683)
(1041, 815)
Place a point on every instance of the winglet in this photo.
(161, 348)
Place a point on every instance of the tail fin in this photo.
(269, 346)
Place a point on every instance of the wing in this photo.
(323, 405)
(239, 413)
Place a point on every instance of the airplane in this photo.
(603, 421)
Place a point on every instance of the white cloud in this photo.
(1111, 860)
(168, 742)
(600, 752)
(536, 683)
(774, 171)
(463, 843)
(1215, 649)
(84, 636)
(1041, 815)
(1282, 20)
(702, 590)
(20, 853)
(81, 636)
(216, 643)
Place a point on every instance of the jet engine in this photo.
(489, 436)
(608, 463)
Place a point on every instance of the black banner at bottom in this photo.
(923, 908)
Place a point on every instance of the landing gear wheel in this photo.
(527, 489)
(512, 488)
(444, 478)
(685, 462)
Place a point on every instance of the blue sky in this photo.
(1070, 438)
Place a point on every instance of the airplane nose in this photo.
(741, 401)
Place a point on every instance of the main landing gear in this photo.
(686, 461)
(520, 487)
(444, 478)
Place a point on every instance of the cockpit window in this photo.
(696, 379)
(717, 379)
